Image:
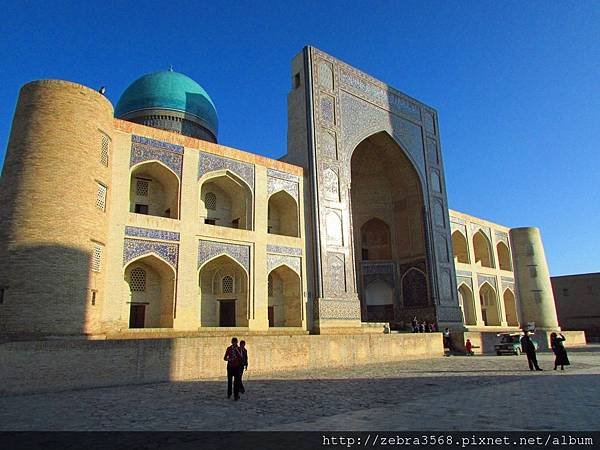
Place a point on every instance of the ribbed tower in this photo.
(53, 198)
(533, 279)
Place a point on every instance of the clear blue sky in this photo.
(516, 84)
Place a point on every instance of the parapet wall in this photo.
(46, 366)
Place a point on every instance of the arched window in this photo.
(483, 250)
(138, 280)
(210, 200)
(227, 285)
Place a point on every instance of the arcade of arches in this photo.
(389, 239)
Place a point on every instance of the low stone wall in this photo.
(484, 341)
(43, 366)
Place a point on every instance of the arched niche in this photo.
(154, 190)
(285, 298)
(223, 285)
(375, 240)
(460, 247)
(510, 308)
(489, 305)
(467, 303)
(503, 256)
(150, 284)
(283, 215)
(482, 249)
(225, 201)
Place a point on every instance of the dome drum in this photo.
(174, 121)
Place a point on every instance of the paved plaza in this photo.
(455, 393)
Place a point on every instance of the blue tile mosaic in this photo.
(209, 249)
(152, 234)
(209, 163)
(144, 149)
(284, 250)
(135, 248)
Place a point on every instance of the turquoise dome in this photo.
(171, 91)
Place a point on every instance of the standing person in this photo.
(415, 325)
(234, 358)
(447, 339)
(529, 349)
(244, 365)
(469, 347)
(560, 352)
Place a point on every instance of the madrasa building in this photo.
(133, 219)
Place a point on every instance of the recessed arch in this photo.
(151, 305)
(489, 305)
(387, 189)
(284, 297)
(483, 249)
(154, 190)
(503, 256)
(283, 214)
(221, 306)
(231, 196)
(467, 304)
(510, 308)
(375, 240)
(460, 247)
(414, 288)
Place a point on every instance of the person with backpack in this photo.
(234, 358)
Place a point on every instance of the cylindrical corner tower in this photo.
(533, 279)
(53, 200)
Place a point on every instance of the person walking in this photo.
(529, 349)
(244, 365)
(560, 352)
(234, 358)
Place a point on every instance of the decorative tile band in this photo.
(158, 144)
(377, 268)
(152, 234)
(209, 163)
(382, 96)
(134, 248)
(283, 175)
(209, 249)
(284, 250)
(144, 149)
(463, 273)
(507, 280)
(293, 262)
(500, 236)
(277, 184)
(467, 280)
(483, 278)
(457, 220)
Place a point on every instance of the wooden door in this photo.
(137, 316)
(227, 313)
(271, 316)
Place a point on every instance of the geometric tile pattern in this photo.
(284, 250)
(135, 247)
(209, 249)
(209, 163)
(160, 235)
(145, 149)
(293, 262)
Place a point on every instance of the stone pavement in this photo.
(456, 393)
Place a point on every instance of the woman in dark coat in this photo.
(560, 353)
